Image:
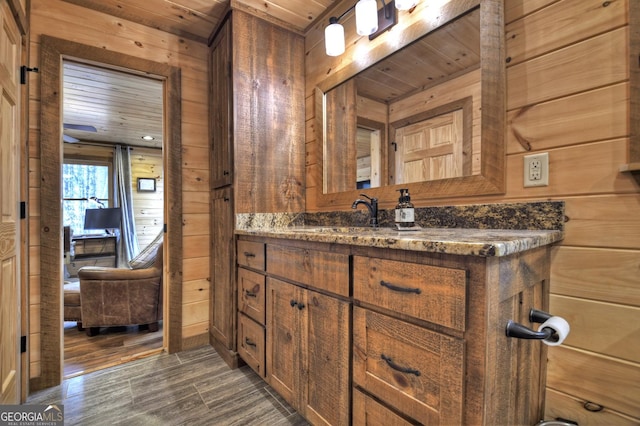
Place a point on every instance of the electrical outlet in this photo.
(536, 169)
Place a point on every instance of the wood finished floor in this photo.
(112, 346)
(193, 387)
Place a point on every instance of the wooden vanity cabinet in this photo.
(429, 337)
(308, 331)
(371, 336)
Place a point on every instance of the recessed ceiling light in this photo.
(148, 138)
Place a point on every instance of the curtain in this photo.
(128, 244)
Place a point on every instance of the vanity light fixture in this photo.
(369, 22)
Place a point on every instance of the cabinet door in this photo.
(283, 339)
(223, 304)
(327, 323)
(221, 109)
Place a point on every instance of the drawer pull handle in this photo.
(249, 254)
(396, 367)
(250, 294)
(400, 289)
(300, 305)
(248, 342)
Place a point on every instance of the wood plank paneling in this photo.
(576, 170)
(603, 380)
(580, 67)
(600, 327)
(603, 221)
(585, 117)
(607, 275)
(540, 33)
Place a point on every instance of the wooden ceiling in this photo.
(122, 107)
(196, 19)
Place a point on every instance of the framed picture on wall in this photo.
(146, 185)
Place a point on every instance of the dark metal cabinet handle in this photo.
(400, 289)
(250, 294)
(396, 367)
(249, 342)
(295, 303)
(249, 254)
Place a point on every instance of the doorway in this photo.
(112, 172)
(53, 52)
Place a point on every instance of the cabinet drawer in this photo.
(320, 269)
(251, 254)
(367, 411)
(417, 371)
(430, 293)
(251, 294)
(251, 343)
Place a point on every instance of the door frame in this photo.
(53, 51)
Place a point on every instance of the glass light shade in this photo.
(366, 17)
(405, 4)
(334, 39)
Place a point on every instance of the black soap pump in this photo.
(405, 216)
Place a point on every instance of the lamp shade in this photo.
(405, 4)
(334, 39)
(366, 17)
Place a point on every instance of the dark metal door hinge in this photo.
(23, 209)
(165, 228)
(23, 73)
(23, 344)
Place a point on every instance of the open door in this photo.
(10, 218)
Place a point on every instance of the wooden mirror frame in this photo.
(53, 52)
(491, 179)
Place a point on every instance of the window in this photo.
(86, 185)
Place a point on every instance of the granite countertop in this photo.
(459, 241)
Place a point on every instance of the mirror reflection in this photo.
(413, 117)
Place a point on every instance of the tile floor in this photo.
(193, 387)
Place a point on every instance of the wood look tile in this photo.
(193, 387)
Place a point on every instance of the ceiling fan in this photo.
(81, 127)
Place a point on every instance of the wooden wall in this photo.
(71, 22)
(147, 206)
(567, 94)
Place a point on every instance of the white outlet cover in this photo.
(543, 159)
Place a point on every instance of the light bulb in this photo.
(334, 38)
(366, 17)
(405, 4)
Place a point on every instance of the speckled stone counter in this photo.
(460, 241)
(476, 230)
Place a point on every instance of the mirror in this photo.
(429, 116)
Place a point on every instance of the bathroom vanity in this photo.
(391, 327)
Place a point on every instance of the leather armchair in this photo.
(117, 297)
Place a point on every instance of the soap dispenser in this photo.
(405, 217)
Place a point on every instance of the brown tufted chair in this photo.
(116, 297)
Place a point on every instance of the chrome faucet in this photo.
(372, 206)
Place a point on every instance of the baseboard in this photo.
(231, 358)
